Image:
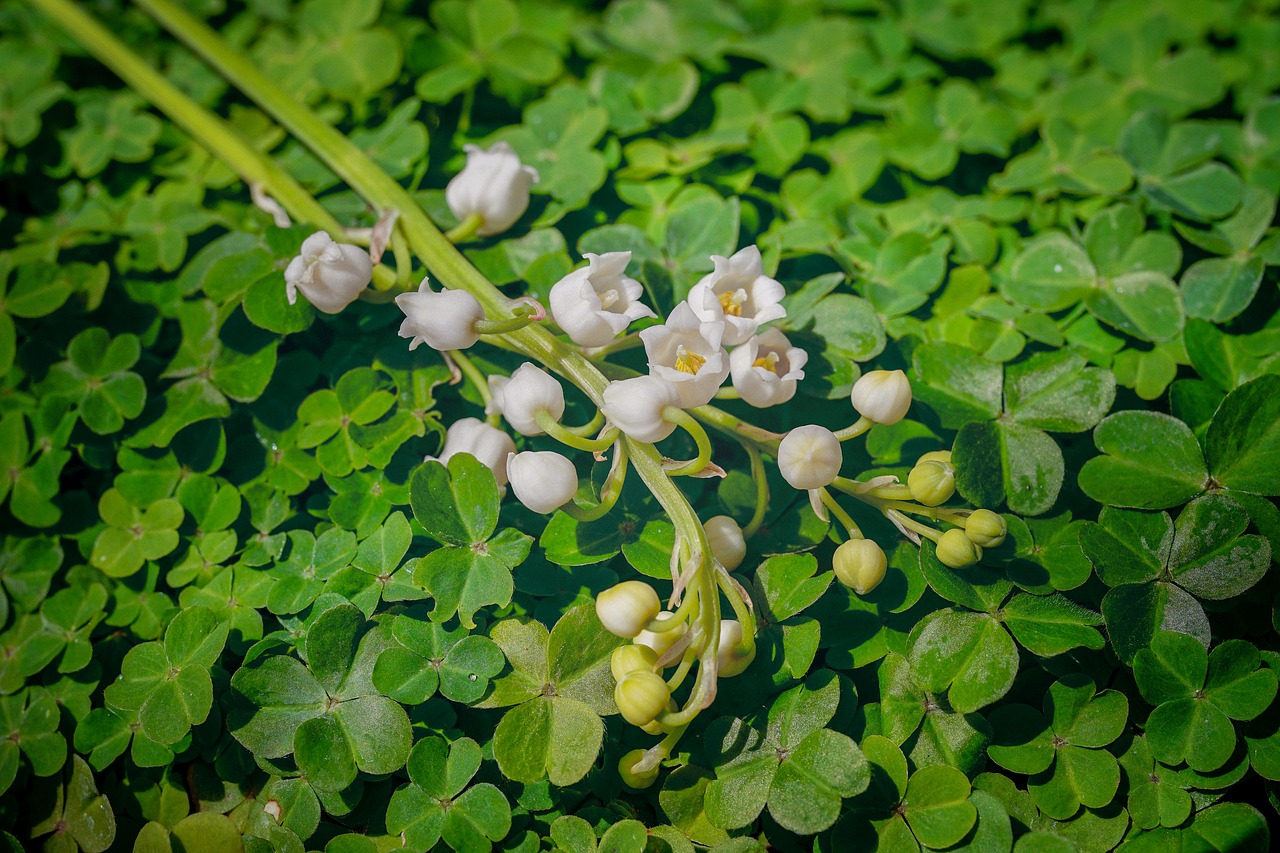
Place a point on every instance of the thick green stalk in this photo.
(210, 131)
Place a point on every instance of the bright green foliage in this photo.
(434, 804)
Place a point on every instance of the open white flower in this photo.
(493, 184)
(488, 444)
(443, 321)
(686, 352)
(594, 304)
(635, 407)
(766, 369)
(331, 275)
(543, 480)
(530, 392)
(810, 457)
(738, 292)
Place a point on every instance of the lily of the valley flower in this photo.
(493, 185)
(488, 444)
(594, 304)
(725, 538)
(809, 457)
(497, 388)
(635, 407)
(686, 351)
(529, 393)
(732, 655)
(443, 320)
(882, 396)
(331, 275)
(543, 480)
(626, 608)
(738, 292)
(766, 369)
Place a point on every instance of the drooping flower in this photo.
(442, 320)
(543, 480)
(738, 292)
(331, 275)
(809, 457)
(594, 304)
(530, 392)
(726, 541)
(635, 407)
(766, 369)
(687, 352)
(493, 184)
(882, 396)
(626, 608)
(731, 655)
(488, 444)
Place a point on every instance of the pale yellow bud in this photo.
(956, 550)
(860, 564)
(932, 483)
(726, 541)
(632, 779)
(731, 655)
(660, 641)
(641, 697)
(628, 659)
(985, 528)
(626, 608)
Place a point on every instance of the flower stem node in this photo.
(530, 392)
(628, 659)
(766, 369)
(626, 608)
(860, 564)
(882, 396)
(956, 550)
(493, 185)
(641, 697)
(932, 483)
(732, 655)
(660, 641)
(543, 480)
(809, 457)
(443, 321)
(331, 275)
(635, 407)
(632, 779)
(490, 445)
(593, 305)
(726, 540)
(985, 528)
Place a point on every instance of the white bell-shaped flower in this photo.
(686, 351)
(331, 275)
(497, 389)
(596, 303)
(882, 396)
(635, 407)
(810, 457)
(493, 184)
(530, 392)
(488, 444)
(724, 535)
(732, 659)
(738, 292)
(766, 369)
(443, 320)
(626, 608)
(543, 480)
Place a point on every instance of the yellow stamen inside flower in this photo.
(688, 362)
(768, 362)
(608, 299)
(732, 302)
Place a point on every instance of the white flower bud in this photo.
(443, 321)
(595, 303)
(725, 538)
(860, 564)
(882, 396)
(331, 275)
(635, 406)
(529, 392)
(487, 444)
(810, 457)
(732, 658)
(686, 351)
(739, 293)
(494, 184)
(626, 608)
(766, 368)
(543, 480)
(660, 641)
(497, 386)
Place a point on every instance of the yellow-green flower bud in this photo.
(641, 696)
(626, 608)
(660, 641)
(632, 779)
(628, 659)
(860, 565)
(943, 456)
(957, 550)
(985, 528)
(932, 483)
(732, 657)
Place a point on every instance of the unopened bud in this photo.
(860, 565)
(882, 396)
(641, 697)
(809, 457)
(956, 550)
(628, 659)
(943, 456)
(731, 655)
(660, 641)
(985, 528)
(626, 608)
(932, 483)
(632, 779)
(725, 538)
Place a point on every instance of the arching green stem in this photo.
(686, 422)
